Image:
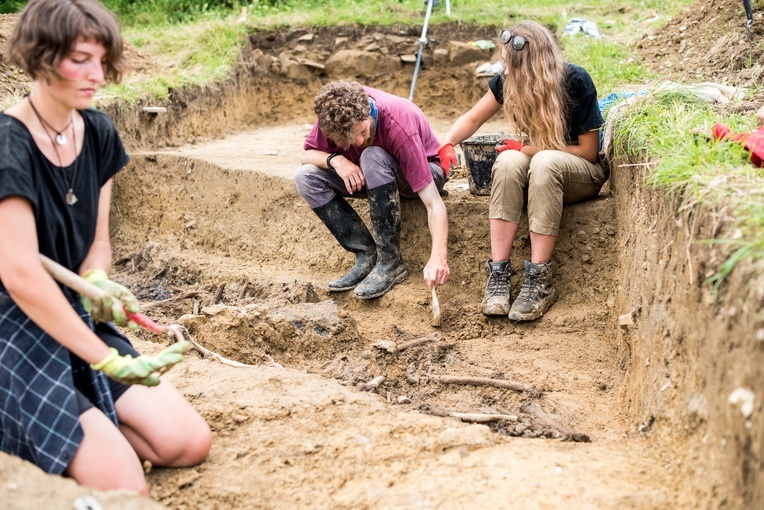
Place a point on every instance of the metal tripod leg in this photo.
(422, 42)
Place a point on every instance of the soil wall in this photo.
(280, 72)
(694, 363)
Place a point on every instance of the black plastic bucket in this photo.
(479, 156)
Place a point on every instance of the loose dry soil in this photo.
(210, 233)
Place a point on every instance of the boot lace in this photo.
(498, 283)
(529, 289)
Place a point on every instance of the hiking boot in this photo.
(536, 294)
(497, 288)
(385, 212)
(350, 231)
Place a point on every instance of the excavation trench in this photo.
(218, 239)
(629, 360)
(236, 256)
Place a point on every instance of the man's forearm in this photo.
(437, 220)
(314, 157)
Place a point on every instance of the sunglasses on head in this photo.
(518, 41)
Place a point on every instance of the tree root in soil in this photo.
(393, 348)
(482, 381)
(540, 428)
(483, 418)
(179, 297)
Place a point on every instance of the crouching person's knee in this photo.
(185, 447)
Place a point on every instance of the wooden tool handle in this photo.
(71, 279)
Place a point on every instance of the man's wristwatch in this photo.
(329, 160)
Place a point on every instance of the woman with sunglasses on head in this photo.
(75, 397)
(553, 104)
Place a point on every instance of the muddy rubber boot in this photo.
(385, 211)
(351, 232)
(536, 294)
(497, 288)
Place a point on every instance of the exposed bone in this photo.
(534, 409)
(387, 346)
(418, 341)
(182, 333)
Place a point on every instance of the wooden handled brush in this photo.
(435, 308)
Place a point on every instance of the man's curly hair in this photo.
(340, 106)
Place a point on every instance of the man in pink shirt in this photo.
(370, 143)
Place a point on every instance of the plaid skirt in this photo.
(39, 414)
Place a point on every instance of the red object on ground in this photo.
(753, 141)
(720, 131)
(755, 144)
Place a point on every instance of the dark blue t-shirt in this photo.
(65, 233)
(583, 113)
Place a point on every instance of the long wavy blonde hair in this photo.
(535, 99)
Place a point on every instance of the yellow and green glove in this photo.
(104, 310)
(143, 369)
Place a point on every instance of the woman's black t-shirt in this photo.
(65, 233)
(583, 113)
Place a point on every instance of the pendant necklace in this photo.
(60, 136)
(70, 198)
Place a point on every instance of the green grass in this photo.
(192, 54)
(169, 29)
(658, 128)
(610, 64)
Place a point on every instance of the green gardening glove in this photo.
(104, 310)
(143, 369)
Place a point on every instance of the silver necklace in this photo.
(60, 136)
(70, 198)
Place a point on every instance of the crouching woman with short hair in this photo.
(75, 397)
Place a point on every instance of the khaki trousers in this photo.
(547, 181)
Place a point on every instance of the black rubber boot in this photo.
(385, 211)
(497, 288)
(351, 232)
(536, 294)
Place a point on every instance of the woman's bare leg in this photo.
(163, 426)
(105, 459)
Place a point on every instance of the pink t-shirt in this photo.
(402, 130)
